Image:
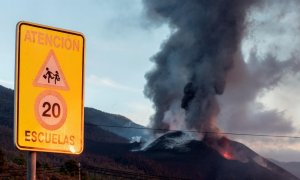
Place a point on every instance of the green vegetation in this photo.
(19, 161)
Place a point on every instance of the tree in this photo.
(70, 167)
(2, 160)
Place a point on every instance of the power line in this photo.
(203, 132)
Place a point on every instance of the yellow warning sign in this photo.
(49, 89)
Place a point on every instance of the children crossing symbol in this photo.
(50, 74)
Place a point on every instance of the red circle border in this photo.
(64, 116)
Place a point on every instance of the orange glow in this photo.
(227, 155)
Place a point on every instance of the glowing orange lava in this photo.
(227, 155)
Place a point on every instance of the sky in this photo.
(120, 42)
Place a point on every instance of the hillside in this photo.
(105, 155)
(195, 159)
(114, 123)
(6, 106)
(108, 153)
(292, 167)
(102, 120)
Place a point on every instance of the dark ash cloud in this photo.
(207, 36)
(203, 56)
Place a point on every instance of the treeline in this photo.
(86, 166)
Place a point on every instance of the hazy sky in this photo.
(120, 41)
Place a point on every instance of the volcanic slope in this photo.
(195, 159)
(98, 119)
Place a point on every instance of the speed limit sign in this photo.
(50, 110)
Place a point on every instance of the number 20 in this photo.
(54, 110)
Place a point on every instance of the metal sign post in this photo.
(79, 171)
(31, 165)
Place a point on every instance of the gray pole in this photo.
(79, 169)
(31, 165)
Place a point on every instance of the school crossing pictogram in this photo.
(50, 74)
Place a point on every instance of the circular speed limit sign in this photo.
(50, 110)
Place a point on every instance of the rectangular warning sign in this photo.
(49, 89)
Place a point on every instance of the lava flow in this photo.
(220, 144)
(227, 155)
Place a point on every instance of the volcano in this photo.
(195, 159)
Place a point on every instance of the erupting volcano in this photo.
(192, 68)
(196, 159)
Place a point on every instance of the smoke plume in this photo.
(191, 68)
(247, 81)
(272, 65)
